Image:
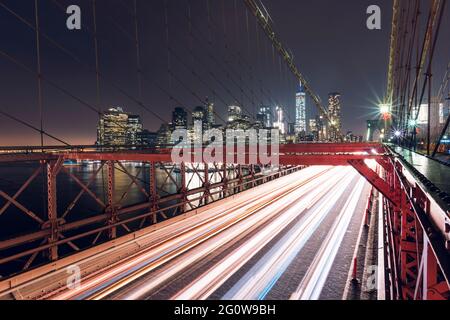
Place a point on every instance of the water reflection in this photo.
(126, 193)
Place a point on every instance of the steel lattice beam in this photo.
(393, 50)
(264, 21)
(374, 179)
(419, 260)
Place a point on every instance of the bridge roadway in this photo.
(293, 238)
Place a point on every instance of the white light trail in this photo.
(314, 280)
(259, 280)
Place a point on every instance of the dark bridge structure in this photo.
(416, 222)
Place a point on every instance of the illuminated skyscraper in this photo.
(265, 116)
(334, 111)
(164, 136)
(200, 114)
(321, 127)
(314, 129)
(280, 122)
(118, 128)
(234, 113)
(236, 119)
(300, 111)
(134, 130)
(179, 118)
(211, 117)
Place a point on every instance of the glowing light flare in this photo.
(412, 123)
(385, 109)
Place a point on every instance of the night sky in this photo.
(223, 60)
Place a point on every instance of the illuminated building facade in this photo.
(334, 111)
(179, 118)
(280, 122)
(265, 116)
(300, 112)
(211, 118)
(118, 128)
(237, 120)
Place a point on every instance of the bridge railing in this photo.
(417, 231)
(54, 206)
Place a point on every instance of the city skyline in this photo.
(117, 127)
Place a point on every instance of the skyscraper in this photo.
(234, 113)
(118, 128)
(164, 136)
(210, 110)
(265, 116)
(313, 129)
(321, 127)
(237, 120)
(334, 111)
(134, 131)
(300, 111)
(179, 118)
(200, 114)
(148, 139)
(280, 122)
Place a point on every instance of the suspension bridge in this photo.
(333, 219)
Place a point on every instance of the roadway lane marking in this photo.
(312, 284)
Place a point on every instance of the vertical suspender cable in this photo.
(252, 84)
(191, 35)
(169, 66)
(39, 72)
(259, 65)
(236, 37)
(138, 51)
(40, 101)
(97, 64)
(210, 36)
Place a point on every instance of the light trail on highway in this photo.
(312, 284)
(241, 227)
(204, 286)
(260, 279)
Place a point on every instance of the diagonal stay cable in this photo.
(144, 77)
(59, 46)
(7, 115)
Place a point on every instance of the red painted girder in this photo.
(324, 159)
(322, 148)
(374, 179)
(164, 154)
(6, 158)
(316, 159)
(118, 156)
(331, 147)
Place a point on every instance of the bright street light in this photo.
(385, 109)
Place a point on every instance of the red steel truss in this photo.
(57, 233)
(417, 229)
(417, 232)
